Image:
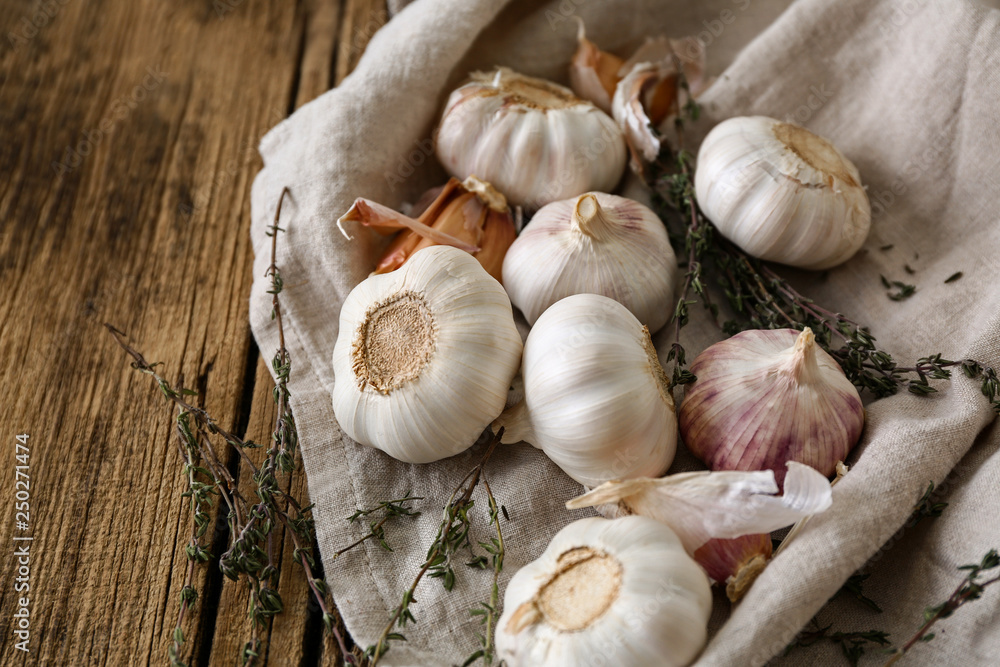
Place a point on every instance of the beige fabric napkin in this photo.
(909, 90)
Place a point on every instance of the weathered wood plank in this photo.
(130, 146)
(360, 21)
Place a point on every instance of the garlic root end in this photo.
(738, 584)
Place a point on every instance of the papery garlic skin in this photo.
(424, 356)
(782, 193)
(533, 140)
(620, 592)
(763, 398)
(702, 506)
(595, 243)
(596, 399)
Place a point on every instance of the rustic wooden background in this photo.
(129, 143)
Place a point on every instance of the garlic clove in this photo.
(385, 220)
(424, 357)
(763, 398)
(647, 95)
(534, 140)
(782, 193)
(470, 215)
(596, 398)
(577, 603)
(627, 109)
(598, 244)
(700, 506)
(666, 55)
(735, 562)
(593, 74)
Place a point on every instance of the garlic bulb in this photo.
(781, 193)
(619, 592)
(533, 140)
(763, 398)
(595, 396)
(598, 244)
(424, 356)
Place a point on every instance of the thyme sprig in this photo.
(487, 611)
(971, 588)
(452, 538)
(762, 299)
(253, 543)
(376, 529)
(852, 644)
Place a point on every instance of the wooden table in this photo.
(130, 134)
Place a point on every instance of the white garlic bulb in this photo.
(424, 356)
(763, 398)
(596, 399)
(620, 592)
(535, 141)
(782, 193)
(598, 244)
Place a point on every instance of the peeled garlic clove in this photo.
(763, 398)
(593, 74)
(736, 562)
(624, 590)
(533, 140)
(598, 244)
(596, 399)
(424, 357)
(782, 193)
(700, 506)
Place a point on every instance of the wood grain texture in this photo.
(130, 135)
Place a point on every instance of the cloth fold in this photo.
(910, 91)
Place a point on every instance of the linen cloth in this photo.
(909, 90)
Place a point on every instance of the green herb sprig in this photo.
(451, 539)
(852, 644)
(376, 529)
(971, 588)
(487, 611)
(252, 545)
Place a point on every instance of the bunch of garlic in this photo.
(470, 215)
(598, 244)
(596, 399)
(782, 193)
(532, 139)
(424, 356)
(763, 398)
(620, 592)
